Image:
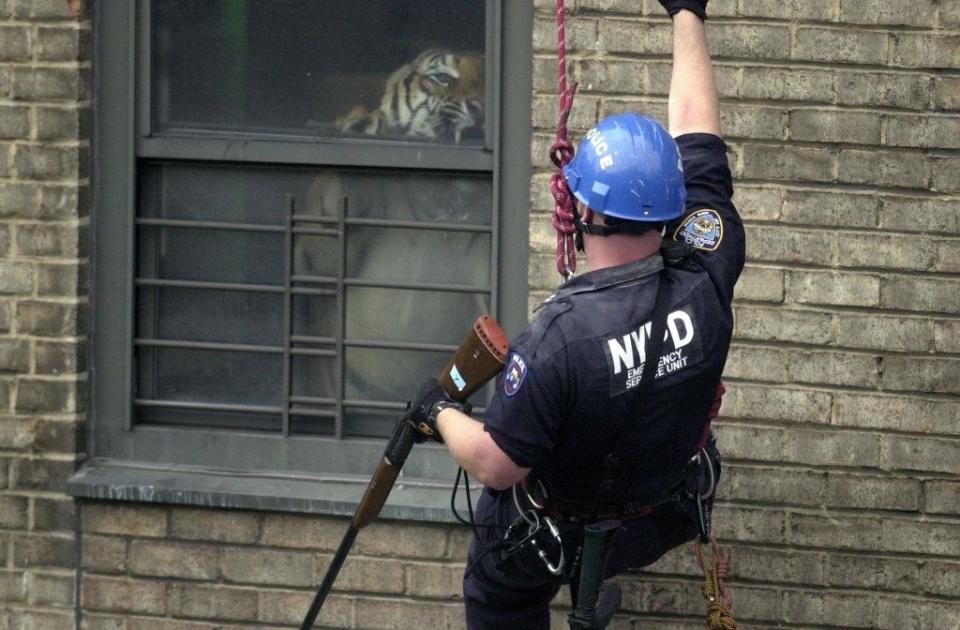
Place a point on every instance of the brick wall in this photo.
(841, 497)
(43, 206)
(842, 480)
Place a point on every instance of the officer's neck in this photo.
(619, 249)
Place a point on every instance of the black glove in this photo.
(697, 6)
(423, 411)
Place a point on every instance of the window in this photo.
(300, 210)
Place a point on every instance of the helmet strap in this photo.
(626, 227)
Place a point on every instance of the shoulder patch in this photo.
(514, 374)
(702, 229)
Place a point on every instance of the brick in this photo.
(921, 13)
(13, 586)
(782, 84)
(946, 93)
(39, 162)
(922, 454)
(400, 539)
(762, 284)
(783, 487)
(942, 496)
(920, 294)
(790, 245)
(874, 89)
(56, 123)
(123, 595)
(895, 613)
(941, 578)
(58, 436)
(946, 336)
(830, 209)
(438, 581)
(367, 574)
(263, 566)
(4, 317)
(49, 240)
(924, 50)
(778, 403)
(14, 121)
(43, 396)
(759, 203)
(789, 163)
(14, 512)
(948, 257)
(833, 448)
(750, 41)
(16, 278)
(64, 202)
(17, 200)
(876, 493)
(751, 525)
(14, 354)
(897, 412)
(44, 9)
(50, 319)
(840, 46)
(756, 363)
(755, 123)
(926, 375)
(41, 474)
(581, 34)
(54, 357)
(945, 175)
(757, 443)
(884, 332)
(941, 216)
(53, 514)
(884, 168)
(923, 131)
(844, 610)
(123, 519)
(15, 433)
(300, 531)
(777, 565)
(287, 607)
(61, 280)
(814, 125)
(36, 620)
(609, 76)
(213, 602)
(627, 36)
(892, 252)
(61, 44)
(780, 324)
(93, 621)
(808, 11)
(582, 117)
(43, 551)
(618, 6)
(103, 554)
(48, 84)
(221, 526)
(920, 537)
(872, 572)
(173, 560)
(51, 590)
(14, 43)
(400, 614)
(830, 531)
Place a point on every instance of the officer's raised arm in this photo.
(693, 106)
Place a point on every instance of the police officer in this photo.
(574, 388)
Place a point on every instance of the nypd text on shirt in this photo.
(627, 352)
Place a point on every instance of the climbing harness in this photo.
(561, 152)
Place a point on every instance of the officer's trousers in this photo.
(515, 592)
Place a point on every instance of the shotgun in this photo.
(479, 358)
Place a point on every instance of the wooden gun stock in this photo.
(479, 358)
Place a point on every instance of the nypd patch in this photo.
(702, 230)
(514, 374)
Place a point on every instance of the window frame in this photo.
(121, 140)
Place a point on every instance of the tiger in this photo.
(437, 96)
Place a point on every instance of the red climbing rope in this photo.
(561, 152)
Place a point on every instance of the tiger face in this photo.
(437, 96)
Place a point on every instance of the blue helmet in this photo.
(628, 167)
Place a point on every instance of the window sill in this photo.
(115, 480)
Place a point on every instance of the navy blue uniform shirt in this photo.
(572, 375)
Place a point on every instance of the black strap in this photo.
(657, 331)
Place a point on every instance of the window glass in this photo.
(410, 70)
